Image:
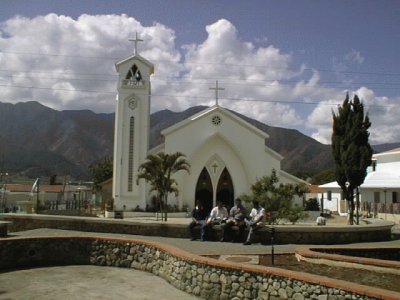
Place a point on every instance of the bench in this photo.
(261, 235)
(4, 227)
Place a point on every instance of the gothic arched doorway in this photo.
(225, 189)
(204, 190)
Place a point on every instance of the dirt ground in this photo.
(365, 277)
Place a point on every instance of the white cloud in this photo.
(382, 113)
(246, 73)
(47, 56)
(354, 56)
(55, 54)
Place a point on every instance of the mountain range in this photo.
(39, 141)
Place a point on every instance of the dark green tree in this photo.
(158, 170)
(350, 148)
(276, 197)
(101, 171)
(324, 177)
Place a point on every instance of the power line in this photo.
(203, 63)
(58, 89)
(64, 72)
(230, 81)
(201, 97)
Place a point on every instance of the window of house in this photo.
(373, 165)
(329, 194)
(377, 197)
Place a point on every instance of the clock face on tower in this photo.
(132, 103)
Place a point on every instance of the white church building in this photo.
(227, 154)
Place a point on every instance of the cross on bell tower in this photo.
(216, 88)
(135, 40)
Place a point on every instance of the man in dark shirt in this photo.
(237, 215)
(199, 216)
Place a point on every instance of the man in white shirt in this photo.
(257, 217)
(321, 220)
(217, 215)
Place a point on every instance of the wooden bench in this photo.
(4, 227)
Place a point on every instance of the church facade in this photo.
(227, 154)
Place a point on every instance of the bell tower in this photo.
(131, 135)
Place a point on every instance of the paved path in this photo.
(196, 247)
(86, 282)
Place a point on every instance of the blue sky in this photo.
(285, 63)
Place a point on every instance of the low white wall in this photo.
(390, 217)
(139, 214)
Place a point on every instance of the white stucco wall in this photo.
(141, 114)
(231, 143)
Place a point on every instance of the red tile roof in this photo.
(27, 188)
(314, 189)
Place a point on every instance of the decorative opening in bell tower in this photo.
(134, 77)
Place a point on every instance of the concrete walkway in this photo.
(86, 282)
(196, 247)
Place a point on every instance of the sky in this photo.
(284, 63)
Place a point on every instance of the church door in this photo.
(204, 190)
(225, 189)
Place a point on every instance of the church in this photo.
(227, 154)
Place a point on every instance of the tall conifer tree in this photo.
(350, 148)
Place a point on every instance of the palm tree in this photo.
(158, 170)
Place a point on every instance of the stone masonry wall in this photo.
(204, 277)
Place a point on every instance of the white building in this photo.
(227, 154)
(380, 190)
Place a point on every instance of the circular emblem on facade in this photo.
(132, 104)
(216, 120)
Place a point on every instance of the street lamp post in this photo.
(3, 194)
(384, 190)
(272, 233)
(350, 207)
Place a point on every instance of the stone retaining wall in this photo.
(285, 234)
(204, 277)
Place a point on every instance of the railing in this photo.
(132, 82)
(389, 208)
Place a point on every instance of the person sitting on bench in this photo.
(199, 216)
(321, 220)
(257, 216)
(218, 215)
(237, 215)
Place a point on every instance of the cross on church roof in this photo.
(136, 40)
(216, 88)
(215, 166)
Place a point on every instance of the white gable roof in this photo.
(133, 58)
(208, 111)
(382, 180)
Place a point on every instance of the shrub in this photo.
(312, 204)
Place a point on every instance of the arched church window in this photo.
(134, 77)
(225, 190)
(204, 190)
